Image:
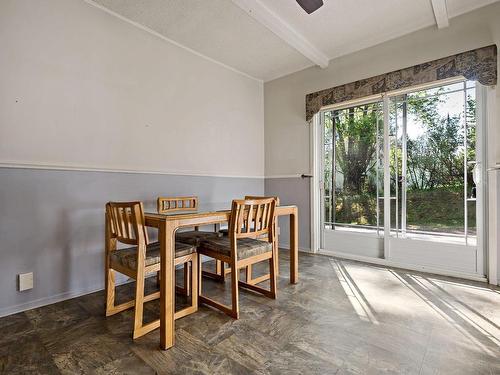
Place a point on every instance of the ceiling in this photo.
(237, 33)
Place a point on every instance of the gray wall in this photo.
(80, 89)
(293, 190)
(52, 224)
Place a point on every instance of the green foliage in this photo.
(436, 157)
(354, 134)
(356, 209)
(438, 210)
(435, 160)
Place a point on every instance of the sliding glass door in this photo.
(352, 185)
(352, 168)
(431, 171)
(434, 168)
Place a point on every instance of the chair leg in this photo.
(193, 266)
(139, 303)
(277, 260)
(110, 291)
(233, 310)
(226, 271)
(272, 274)
(218, 274)
(194, 280)
(187, 278)
(199, 275)
(276, 246)
(248, 273)
(234, 291)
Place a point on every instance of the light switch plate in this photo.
(25, 281)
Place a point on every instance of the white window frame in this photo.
(487, 97)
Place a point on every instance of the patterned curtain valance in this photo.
(478, 65)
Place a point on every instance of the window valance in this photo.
(478, 65)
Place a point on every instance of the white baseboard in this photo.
(56, 298)
(47, 300)
(412, 267)
(5, 311)
(287, 247)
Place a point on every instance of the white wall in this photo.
(80, 87)
(286, 131)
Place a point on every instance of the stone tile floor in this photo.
(342, 317)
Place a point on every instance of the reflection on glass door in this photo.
(434, 169)
(432, 174)
(352, 169)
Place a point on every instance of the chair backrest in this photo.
(171, 204)
(252, 218)
(125, 222)
(248, 197)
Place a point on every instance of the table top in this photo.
(280, 210)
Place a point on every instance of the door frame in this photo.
(490, 240)
(315, 199)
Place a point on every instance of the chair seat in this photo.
(246, 247)
(225, 233)
(194, 237)
(128, 257)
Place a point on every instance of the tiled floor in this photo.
(342, 318)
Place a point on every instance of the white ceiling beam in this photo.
(262, 14)
(440, 13)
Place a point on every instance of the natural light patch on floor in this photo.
(427, 305)
(358, 301)
(441, 308)
(474, 319)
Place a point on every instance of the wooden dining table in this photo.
(167, 225)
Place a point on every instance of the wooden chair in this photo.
(166, 205)
(250, 220)
(125, 224)
(248, 271)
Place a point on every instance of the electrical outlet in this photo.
(279, 231)
(25, 281)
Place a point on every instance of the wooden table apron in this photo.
(167, 226)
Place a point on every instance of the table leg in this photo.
(294, 247)
(167, 285)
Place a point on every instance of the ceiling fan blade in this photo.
(310, 5)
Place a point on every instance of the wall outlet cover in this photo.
(25, 281)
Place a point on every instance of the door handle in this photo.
(306, 175)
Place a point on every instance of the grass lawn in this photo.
(438, 210)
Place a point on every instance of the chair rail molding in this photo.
(85, 168)
(297, 175)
